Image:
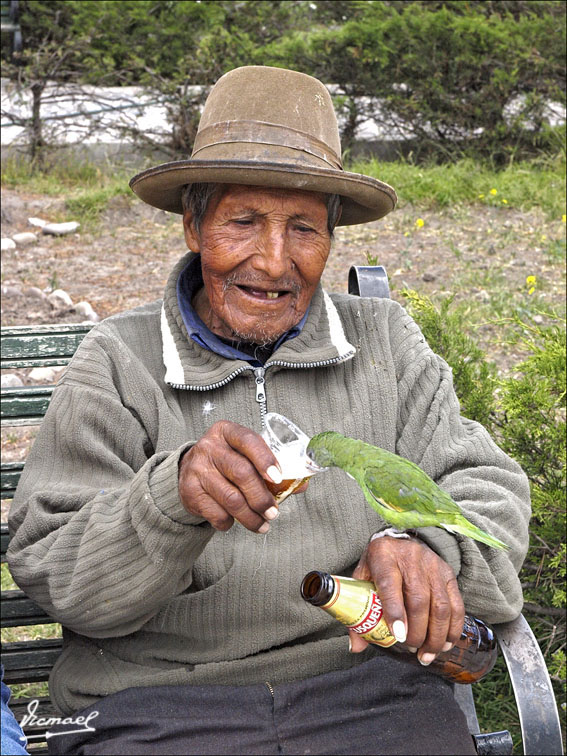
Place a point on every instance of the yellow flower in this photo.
(544, 237)
(481, 196)
(531, 291)
(494, 192)
(531, 280)
(406, 233)
(564, 217)
(504, 201)
(420, 223)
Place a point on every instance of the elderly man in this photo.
(143, 522)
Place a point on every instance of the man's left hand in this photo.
(419, 594)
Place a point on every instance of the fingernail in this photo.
(399, 629)
(447, 647)
(412, 649)
(274, 474)
(426, 659)
(271, 513)
(264, 528)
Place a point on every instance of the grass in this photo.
(87, 186)
(521, 185)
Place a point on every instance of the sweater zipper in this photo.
(260, 378)
(270, 688)
(259, 375)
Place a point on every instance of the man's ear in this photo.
(192, 238)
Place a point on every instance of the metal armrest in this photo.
(368, 281)
(535, 699)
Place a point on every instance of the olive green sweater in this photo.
(149, 594)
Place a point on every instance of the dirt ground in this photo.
(483, 254)
(126, 260)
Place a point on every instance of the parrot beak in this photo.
(311, 465)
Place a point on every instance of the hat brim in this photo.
(364, 198)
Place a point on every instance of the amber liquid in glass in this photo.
(285, 488)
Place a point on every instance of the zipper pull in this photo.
(261, 392)
(260, 385)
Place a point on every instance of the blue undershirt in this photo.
(189, 282)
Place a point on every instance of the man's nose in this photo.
(272, 256)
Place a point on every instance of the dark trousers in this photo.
(380, 707)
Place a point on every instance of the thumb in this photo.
(357, 644)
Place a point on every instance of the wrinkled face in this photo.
(262, 254)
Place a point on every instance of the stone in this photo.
(60, 229)
(47, 374)
(25, 239)
(428, 277)
(11, 291)
(32, 292)
(86, 311)
(8, 244)
(11, 380)
(37, 222)
(60, 298)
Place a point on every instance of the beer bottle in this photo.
(356, 604)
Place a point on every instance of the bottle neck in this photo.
(317, 588)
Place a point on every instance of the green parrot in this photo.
(396, 488)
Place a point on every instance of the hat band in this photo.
(260, 132)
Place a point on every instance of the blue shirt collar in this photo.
(189, 282)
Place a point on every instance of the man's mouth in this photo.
(263, 293)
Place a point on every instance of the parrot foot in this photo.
(394, 533)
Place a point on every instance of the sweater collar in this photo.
(322, 341)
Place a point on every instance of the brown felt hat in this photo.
(269, 127)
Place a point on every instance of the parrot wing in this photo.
(408, 489)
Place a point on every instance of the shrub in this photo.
(453, 78)
(525, 412)
(474, 377)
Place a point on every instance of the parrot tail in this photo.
(472, 531)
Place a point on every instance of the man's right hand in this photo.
(221, 478)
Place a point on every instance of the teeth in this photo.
(272, 294)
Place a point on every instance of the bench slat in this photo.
(30, 661)
(25, 403)
(9, 477)
(5, 537)
(19, 610)
(42, 346)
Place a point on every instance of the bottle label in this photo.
(357, 605)
(371, 618)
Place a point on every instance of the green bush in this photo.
(474, 377)
(525, 412)
(451, 77)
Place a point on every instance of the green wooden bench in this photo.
(31, 661)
